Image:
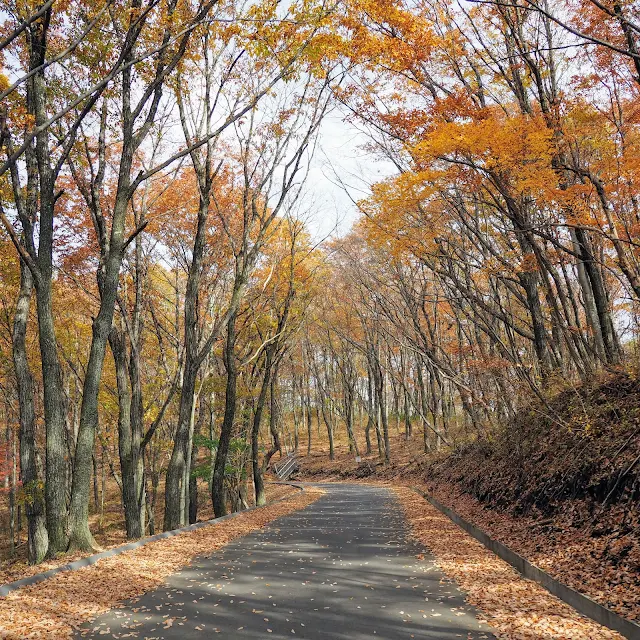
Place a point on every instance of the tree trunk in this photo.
(175, 488)
(55, 487)
(128, 445)
(328, 421)
(258, 480)
(56, 478)
(193, 490)
(80, 537)
(37, 537)
(385, 420)
(349, 420)
(587, 298)
(309, 421)
(424, 405)
(407, 415)
(96, 493)
(370, 409)
(600, 298)
(217, 488)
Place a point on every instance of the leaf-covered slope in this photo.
(584, 444)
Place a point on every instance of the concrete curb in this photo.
(581, 603)
(7, 588)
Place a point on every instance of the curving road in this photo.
(342, 568)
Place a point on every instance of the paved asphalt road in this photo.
(342, 568)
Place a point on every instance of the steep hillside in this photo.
(583, 445)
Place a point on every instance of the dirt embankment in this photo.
(560, 485)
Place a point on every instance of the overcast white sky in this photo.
(340, 158)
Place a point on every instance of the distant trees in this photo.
(502, 258)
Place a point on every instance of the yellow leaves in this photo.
(325, 47)
(608, 144)
(6, 192)
(528, 263)
(302, 33)
(457, 148)
(469, 160)
(407, 191)
(386, 33)
(402, 213)
(578, 203)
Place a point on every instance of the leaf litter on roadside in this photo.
(55, 607)
(517, 609)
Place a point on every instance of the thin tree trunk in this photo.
(193, 489)
(175, 488)
(309, 420)
(96, 494)
(349, 421)
(128, 459)
(258, 480)
(217, 489)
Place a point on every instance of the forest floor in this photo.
(564, 496)
(516, 608)
(109, 531)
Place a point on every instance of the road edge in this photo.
(580, 602)
(87, 561)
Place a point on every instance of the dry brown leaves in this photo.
(53, 608)
(570, 553)
(113, 533)
(516, 608)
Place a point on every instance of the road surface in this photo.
(343, 568)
